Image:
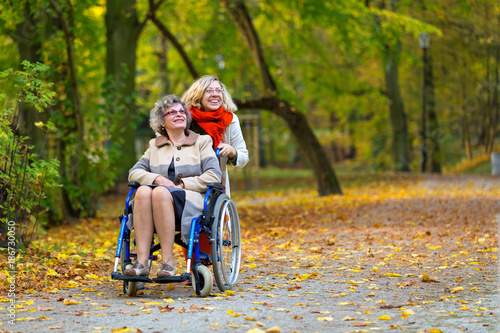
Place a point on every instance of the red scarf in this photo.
(214, 123)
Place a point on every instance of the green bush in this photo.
(24, 177)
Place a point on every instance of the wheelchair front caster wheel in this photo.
(206, 281)
(130, 288)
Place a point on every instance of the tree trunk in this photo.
(163, 65)
(29, 45)
(466, 137)
(399, 143)
(434, 131)
(122, 32)
(309, 144)
(493, 107)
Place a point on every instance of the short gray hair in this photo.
(161, 106)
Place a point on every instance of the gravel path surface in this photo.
(333, 286)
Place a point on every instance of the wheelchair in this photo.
(219, 222)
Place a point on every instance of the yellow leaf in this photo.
(405, 315)
(229, 312)
(52, 272)
(70, 302)
(385, 317)
(325, 318)
(426, 278)
(168, 300)
(434, 330)
(252, 265)
(253, 330)
(274, 329)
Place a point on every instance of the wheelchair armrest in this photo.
(216, 186)
(134, 184)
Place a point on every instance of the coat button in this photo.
(180, 175)
(178, 159)
(178, 148)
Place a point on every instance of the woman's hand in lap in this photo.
(160, 180)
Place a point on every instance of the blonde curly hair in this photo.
(192, 96)
(161, 106)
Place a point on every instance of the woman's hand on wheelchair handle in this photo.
(226, 150)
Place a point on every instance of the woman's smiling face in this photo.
(212, 97)
(175, 117)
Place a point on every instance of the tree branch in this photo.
(168, 35)
(239, 15)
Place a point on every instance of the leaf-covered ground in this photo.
(416, 253)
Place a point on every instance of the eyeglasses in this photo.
(174, 112)
(217, 91)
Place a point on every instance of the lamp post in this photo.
(424, 40)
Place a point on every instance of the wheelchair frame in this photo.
(225, 239)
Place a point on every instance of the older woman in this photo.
(213, 110)
(175, 171)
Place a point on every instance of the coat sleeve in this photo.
(209, 166)
(238, 142)
(141, 171)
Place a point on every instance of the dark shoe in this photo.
(137, 270)
(167, 270)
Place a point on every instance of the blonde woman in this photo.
(212, 110)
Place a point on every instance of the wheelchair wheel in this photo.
(129, 287)
(206, 282)
(226, 243)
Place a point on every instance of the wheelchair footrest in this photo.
(177, 278)
(118, 276)
(167, 279)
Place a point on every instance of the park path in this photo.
(356, 263)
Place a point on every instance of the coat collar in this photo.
(191, 139)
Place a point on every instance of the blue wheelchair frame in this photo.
(198, 225)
